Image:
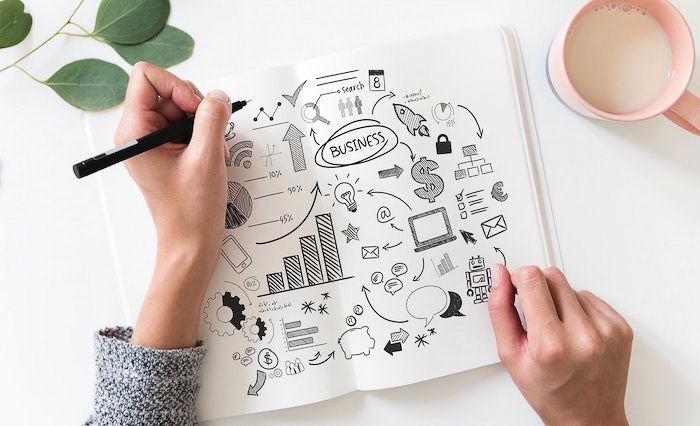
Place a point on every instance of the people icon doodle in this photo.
(293, 367)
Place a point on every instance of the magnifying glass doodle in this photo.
(310, 113)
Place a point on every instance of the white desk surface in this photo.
(625, 200)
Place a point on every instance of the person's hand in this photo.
(185, 189)
(572, 362)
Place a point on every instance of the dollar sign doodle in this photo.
(432, 184)
(268, 359)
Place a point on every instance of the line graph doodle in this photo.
(271, 117)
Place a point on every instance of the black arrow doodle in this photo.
(365, 290)
(396, 227)
(390, 95)
(259, 383)
(413, 156)
(390, 348)
(371, 193)
(422, 268)
(317, 356)
(480, 133)
(330, 355)
(387, 246)
(316, 190)
(313, 135)
(504, 256)
(392, 172)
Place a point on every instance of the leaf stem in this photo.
(29, 75)
(80, 26)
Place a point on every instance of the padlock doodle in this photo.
(443, 145)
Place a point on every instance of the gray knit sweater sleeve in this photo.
(142, 386)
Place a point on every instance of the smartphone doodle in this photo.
(234, 254)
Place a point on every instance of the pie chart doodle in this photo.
(443, 111)
(239, 205)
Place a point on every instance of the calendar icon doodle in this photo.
(376, 81)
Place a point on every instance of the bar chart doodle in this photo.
(444, 265)
(298, 337)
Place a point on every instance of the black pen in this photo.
(180, 132)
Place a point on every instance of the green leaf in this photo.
(130, 21)
(169, 47)
(90, 84)
(14, 23)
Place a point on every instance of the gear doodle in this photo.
(224, 314)
(254, 329)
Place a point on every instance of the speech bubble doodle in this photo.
(356, 143)
(377, 278)
(251, 283)
(393, 285)
(399, 269)
(246, 361)
(236, 356)
(426, 302)
(384, 215)
(249, 350)
(454, 307)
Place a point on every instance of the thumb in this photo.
(504, 318)
(210, 121)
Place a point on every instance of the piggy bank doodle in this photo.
(356, 341)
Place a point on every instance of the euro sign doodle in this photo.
(432, 183)
(497, 192)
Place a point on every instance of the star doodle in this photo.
(307, 307)
(322, 309)
(351, 233)
(432, 331)
(420, 340)
(326, 296)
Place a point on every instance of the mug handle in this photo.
(686, 113)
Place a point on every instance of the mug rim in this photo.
(646, 111)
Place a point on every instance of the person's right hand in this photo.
(572, 362)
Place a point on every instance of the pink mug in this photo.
(675, 101)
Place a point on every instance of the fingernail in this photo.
(219, 95)
(496, 275)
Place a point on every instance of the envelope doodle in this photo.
(370, 252)
(494, 226)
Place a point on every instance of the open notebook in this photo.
(369, 194)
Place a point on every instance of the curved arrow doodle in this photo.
(259, 383)
(330, 355)
(313, 135)
(371, 193)
(241, 289)
(317, 356)
(502, 254)
(396, 227)
(316, 190)
(390, 95)
(365, 290)
(413, 156)
(387, 246)
(422, 268)
(480, 133)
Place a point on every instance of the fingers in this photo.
(210, 126)
(504, 318)
(564, 297)
(148, 83)
(538, 305)
(604, 309)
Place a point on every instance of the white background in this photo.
(625, 200)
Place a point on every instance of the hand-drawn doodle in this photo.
(365, 290)
(389, 246)
(312, 261)
(351, 233)
(426, 302)
(461, 206)
(350, 320)
(308, 306)
(420, 340)
(444, 265)
(318, 355)
(468, 237)
(293, 137)
(475, 166)
(357, 142)
(314, 191)
(370, 252)
(293, 367)
(258, 385)
(432, 183)
(443, 145)
(239, 206)
(245, 148)
(233, 253)
(431, 229)
(443, 112)
(432, 332)
(376, 80)
(494, 226)
(254, 329)
(422, 268)
(297, 337)
(250, 351)
(392, 172)
(357, 310)
(377, 278)
(336, 77)
(390, 347)
(246, 361)
(393, 285)
(271, 152)
(267, 359)
(311, 113)
(478, 280)
(236, 356)
(224, 314)
(267, 126)
(474, 199)
(271, 117)
(389, 95)
(356, 341)
(502, 254)
(251, 283)
(345, 194)
(480, 132)
(497, 192)
(230, 134)
(399, 269)
(396, 227)
(277, 373)
(325, 296)
(341, 107)
(322, 309)
(372, 192)
(292, 99)
(398, 336)
(384, 215)
(412, 121)
(454, 307)
(358, 104)
(348, 105)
